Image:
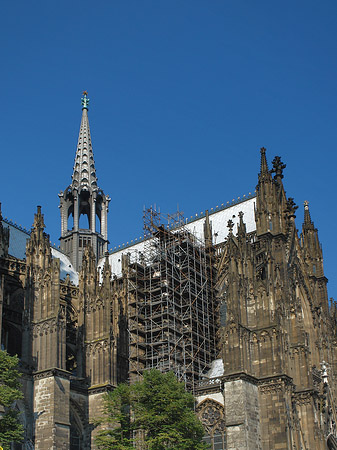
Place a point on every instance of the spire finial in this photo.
(85, 101)
(38, 220)
(278, 168)
(230, 226)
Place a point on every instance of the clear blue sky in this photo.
(183, 94)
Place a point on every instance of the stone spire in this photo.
(38, 225)
(308, 223)
(84, 198)
(242, 231)
(84, 173)
(208, 231)
(264, 172)
(270, 198)
(313, 256)
(38, 252)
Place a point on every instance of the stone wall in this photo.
(95, 411)
(51, 409)
(276, 413)
(242, 415)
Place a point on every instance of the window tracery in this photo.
(212, 416)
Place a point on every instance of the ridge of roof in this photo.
(27, 232)
(15, 225)
(192, 219)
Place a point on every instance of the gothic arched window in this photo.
(212, 416)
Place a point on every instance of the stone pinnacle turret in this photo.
(84, 173)
(84, 198)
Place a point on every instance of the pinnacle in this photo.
(308, 223)
(106, 267)
(84, 173)
(38, 220)
(264, 166)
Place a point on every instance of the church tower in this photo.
(83, 201)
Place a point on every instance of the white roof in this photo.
(65, 266)
(218, 220)
(216, 369)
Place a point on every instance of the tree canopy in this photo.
(10, 428)
(157, 410)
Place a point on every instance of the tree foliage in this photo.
(156, 409)
(10, 428)
(117, 430)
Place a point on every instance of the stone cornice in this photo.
(210, 386)
(51, 372)
(278, 380)
(275, 383)
(100, 389)
(319, 278)
(282, 377)
(304, 397)
(240, 376)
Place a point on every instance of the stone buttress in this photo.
(277, 325)
(44, 342)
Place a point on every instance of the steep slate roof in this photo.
(17, 239)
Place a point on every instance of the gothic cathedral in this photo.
(234, 302)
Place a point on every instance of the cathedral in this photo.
(233, 301)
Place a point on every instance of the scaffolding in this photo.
(172, 322)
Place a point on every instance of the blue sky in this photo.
(183, 94)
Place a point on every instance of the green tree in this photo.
(10, 428)
(117, 429)
(157, 408)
